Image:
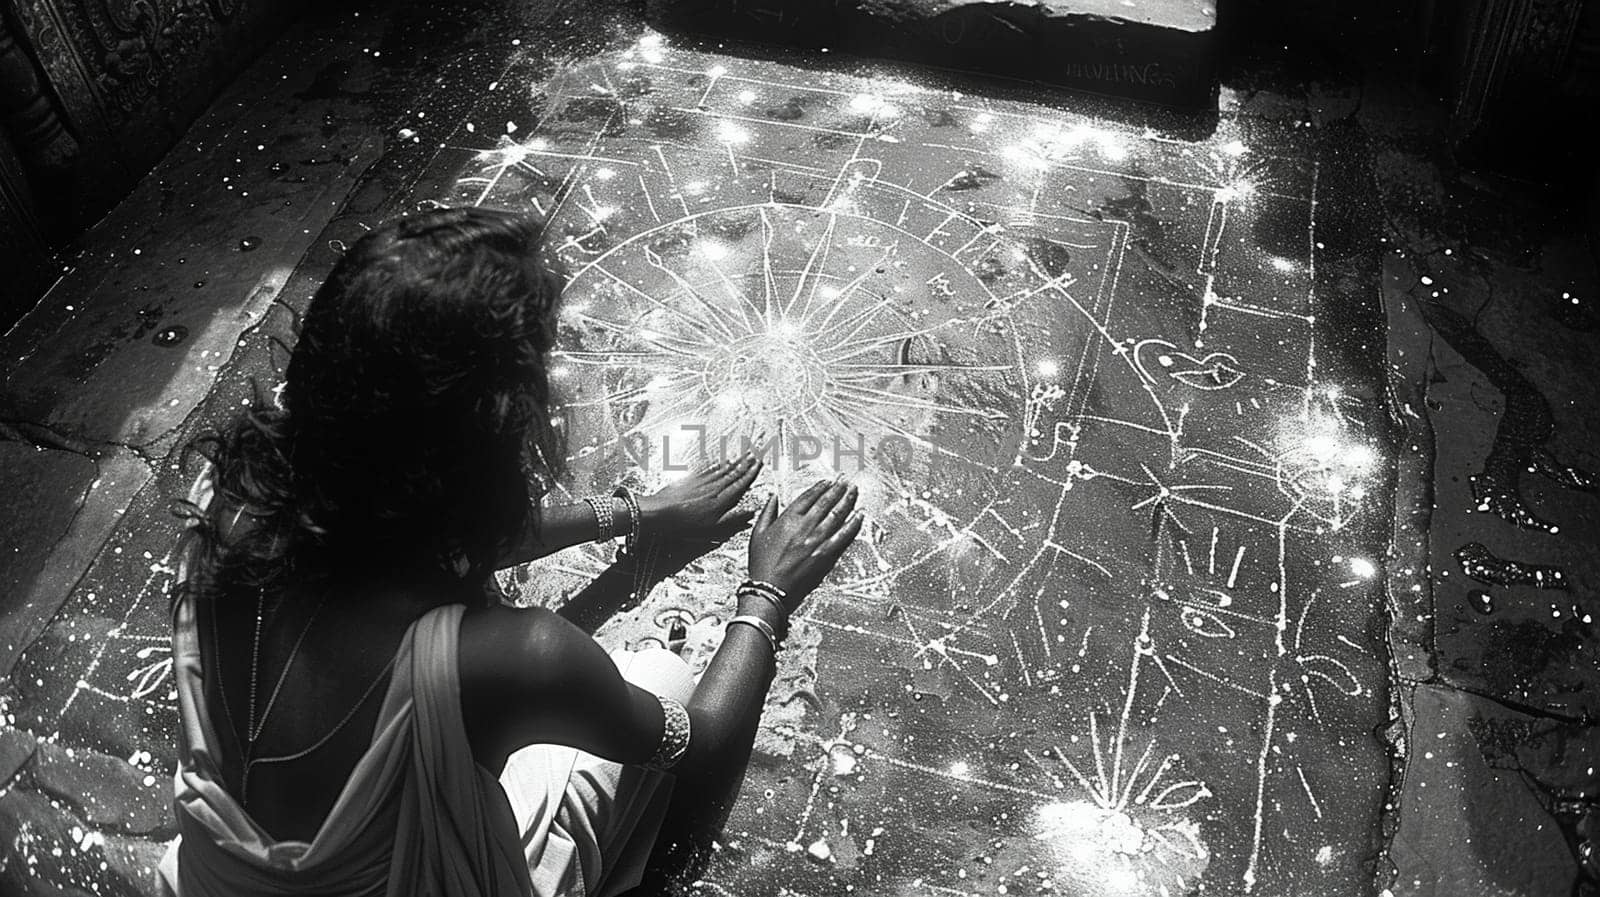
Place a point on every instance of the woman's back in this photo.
(415, 814)
(316, 676)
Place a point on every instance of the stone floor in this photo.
(1471, 299)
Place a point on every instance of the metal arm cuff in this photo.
(674, 735)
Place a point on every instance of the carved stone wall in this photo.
(35, 149)
(45, 153)
(94, 92)
(130, 75)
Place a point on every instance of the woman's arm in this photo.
(614, 588)
(529, 676)
(562, 526)
(700, 504)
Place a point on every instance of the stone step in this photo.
(1161, 51)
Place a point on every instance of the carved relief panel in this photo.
(92, 94)
(130, 75)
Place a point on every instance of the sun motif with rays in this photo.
(1132, 836)
(830, 340)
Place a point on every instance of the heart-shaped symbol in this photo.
(1218, 370)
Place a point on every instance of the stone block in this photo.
(16, 749)
(1467, 823)
(45, 850)
(1163, 51)
(108, 791)
(46, 490)
(65, 505)
(134, 860)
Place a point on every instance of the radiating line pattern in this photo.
(1076, 376)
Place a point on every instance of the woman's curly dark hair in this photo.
(414, 432)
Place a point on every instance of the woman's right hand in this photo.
(794, 550)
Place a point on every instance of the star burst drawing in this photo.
(1133, 835)
(789, 331)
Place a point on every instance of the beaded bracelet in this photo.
(761, 626)
(674, 735)
(605, 521)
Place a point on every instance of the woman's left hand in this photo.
(704, 504)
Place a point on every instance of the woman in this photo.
(357, 717)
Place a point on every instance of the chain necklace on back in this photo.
(255, 725)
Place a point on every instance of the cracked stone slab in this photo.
(1163, 51)
(46, 850)
(47, 490)
(64, 508)
(1505, 388)
(108, 792)
(98, 676)
(1535, 648)
(1470, 825)
(1410, 582)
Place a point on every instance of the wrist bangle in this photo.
(765, 586)
(779, 597)
(635, 517)
(604, 521)
(761, 626)
(775, 596)
(764, 596)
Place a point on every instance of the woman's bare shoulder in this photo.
(508, 646)
(530, 676)
(500, 631)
